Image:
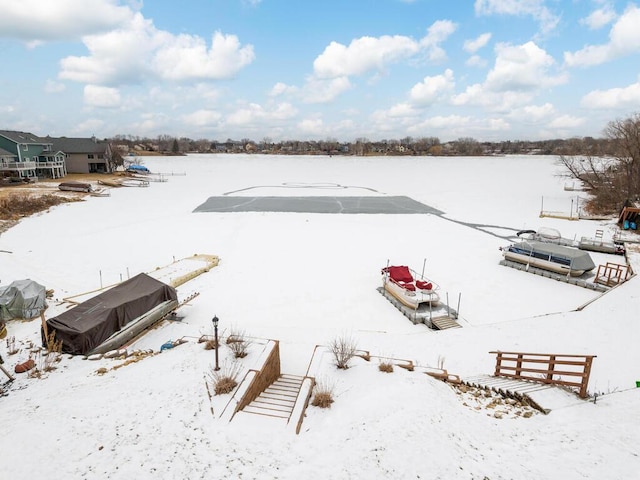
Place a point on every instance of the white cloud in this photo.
(137, 51)
(519, 73)
(627, 97)
(362, 55)
(324, 90)
(99, 96)
(187, 57)
(624, 39)
(533, 8)
(600, 17)
(312, 126)
(150, 124)
(566, 122)
(201, 118)
(254, 114)
(537, 113)
(282, 89)
(522, 67)
(90, 125)
(367, 54)
(54, 87)
(35, 21)
(472, 46)
(476, 61)
(432, 89)
(449, 123)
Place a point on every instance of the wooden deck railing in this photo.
(546, 368)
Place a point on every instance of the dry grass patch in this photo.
(323, 394)
(226, 379)
(385, 366)
(17, 205)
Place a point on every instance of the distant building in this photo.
(26, 155)
(84, 155)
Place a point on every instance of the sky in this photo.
(305, 279)
(492, 70)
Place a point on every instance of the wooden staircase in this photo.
(278, 399)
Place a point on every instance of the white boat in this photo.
(409, 287)
(597, 244)
(100, 192)
(134, 182)
(550, 256)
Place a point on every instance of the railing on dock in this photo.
(546, 368)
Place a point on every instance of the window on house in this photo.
(25, 147)
(90, 156)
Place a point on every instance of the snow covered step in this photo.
(540, 395)
(278, 399)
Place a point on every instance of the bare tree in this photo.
(613, 178)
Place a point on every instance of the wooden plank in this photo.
(442, 323)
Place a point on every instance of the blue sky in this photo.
(492, 70)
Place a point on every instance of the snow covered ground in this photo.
(305, 279)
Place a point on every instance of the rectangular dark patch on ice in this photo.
(385, 205)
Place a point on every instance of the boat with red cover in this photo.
(409, 287)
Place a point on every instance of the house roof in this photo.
(78, 145)
(4, 153)
(23, 137)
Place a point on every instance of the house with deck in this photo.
(25, 155)
(84, 155)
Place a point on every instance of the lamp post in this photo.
(215, 333)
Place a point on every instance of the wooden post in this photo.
(498, 363)
(585, 376)
(45, 328)
(552, 367)
(519, 366)
(6, 372)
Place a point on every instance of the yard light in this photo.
(215, 321)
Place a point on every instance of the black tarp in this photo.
(87, 325)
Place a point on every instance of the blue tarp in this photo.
(138, 168)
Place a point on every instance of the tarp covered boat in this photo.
(73, 186)
(139, 301)
(549, 256)
(22, 299)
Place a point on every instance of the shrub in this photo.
(323, 395)
(226, 379)
(386, 366)
(343, 349)
(238, 343)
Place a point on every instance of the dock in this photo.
(438, 317)
(580, 282)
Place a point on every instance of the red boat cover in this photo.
(400, 274)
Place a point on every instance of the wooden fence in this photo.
(554, 369)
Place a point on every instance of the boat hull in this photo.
(135, 327)
(412, 299)
(540, 263)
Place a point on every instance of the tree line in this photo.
(468, 146)
(607, 167)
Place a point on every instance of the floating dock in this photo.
(580, 282)
(439, 317)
